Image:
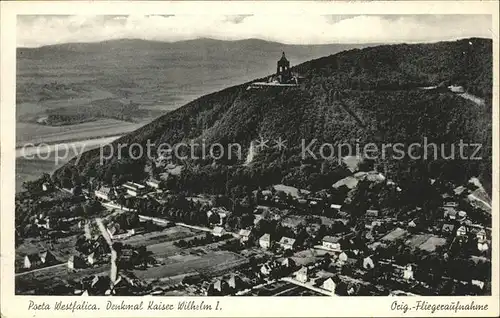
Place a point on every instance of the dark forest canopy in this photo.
(361, 95)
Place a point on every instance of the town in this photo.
(142, 238)
(348, 231)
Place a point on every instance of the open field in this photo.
(209, 264)
(54, 276)
(417, 240)
(431, 243)
(427, 242)
(175, 261)
(60, 249)
(309, 256)
(156, 241)
(294, 192)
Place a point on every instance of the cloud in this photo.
(33, 31)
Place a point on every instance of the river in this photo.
(32, 161)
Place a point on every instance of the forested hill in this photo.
(365, 95)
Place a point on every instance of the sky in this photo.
(40, 30)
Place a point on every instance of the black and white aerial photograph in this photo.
(253, 155)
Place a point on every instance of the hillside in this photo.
(365, 95)
(135, 81)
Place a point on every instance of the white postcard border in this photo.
(17, 306)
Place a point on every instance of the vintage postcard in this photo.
(201, 159)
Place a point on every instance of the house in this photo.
(43, 222)
(369, 236)
(114, 229)
(481, 236)
(91, 258)
(134, 189)
(450, 213)
(462, 231)
(329, 285)
(244, 235)
(117, 233)
(105, 193)
(265, 241)
(459, 190)
(408, 272)
(342, 258)
(153, 183)
(288, 263)
(287, 243)
(336, 207)
(371, 213)
(39, 259)
(351, 291)
(266, 269)
(401, 293)
(456, 89)
(235, 282)
(218, 231)
(267, 193)
(220, 287)
(447, 228)
(32, 261)
(477, 283)
(257, 219)
(462, 215)
(482, 246)
(301, 275)
(331, 243)
(75, 262)
(451, 204)
(47, 257)
(76, 190)
(412, 224)
(47, 186)
(368, 263)
(223, 214)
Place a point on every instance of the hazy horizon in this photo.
(42, 30)
(248, 39)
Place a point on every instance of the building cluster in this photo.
(128, 189)
(39, 260)
(350, 248)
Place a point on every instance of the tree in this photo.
(214, 218)
(301, 236)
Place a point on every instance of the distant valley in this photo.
(134, 81)
(81, 91)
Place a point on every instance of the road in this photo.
(308, 286)
(41, 269)
(476, 100)
(194, 227)
(480, 200)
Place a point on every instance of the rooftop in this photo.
(395, 234)
(265, 237)
(287, 240)
(331, 239)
